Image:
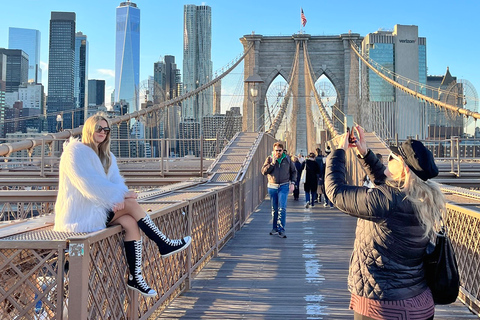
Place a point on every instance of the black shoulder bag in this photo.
(441, 270)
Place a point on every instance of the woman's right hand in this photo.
(361, 144)
(118, 206)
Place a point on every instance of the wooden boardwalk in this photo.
(258, 276)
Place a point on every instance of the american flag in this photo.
(302, 17)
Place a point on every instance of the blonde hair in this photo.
(103, 148)
(427, 199)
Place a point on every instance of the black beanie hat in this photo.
(418, 158)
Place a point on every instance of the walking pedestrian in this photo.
(282, 175)
(396, 221)
(312, 170)
(92, 195)
(320, 161)
(298, 167)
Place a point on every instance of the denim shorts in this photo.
(110, 215)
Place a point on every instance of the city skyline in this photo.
(164, 36)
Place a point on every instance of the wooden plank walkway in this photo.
(258, 276)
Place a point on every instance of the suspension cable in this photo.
(414, 93)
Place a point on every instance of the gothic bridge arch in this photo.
(274, 55)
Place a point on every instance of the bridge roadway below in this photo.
(259, 276)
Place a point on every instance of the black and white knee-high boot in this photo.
(133, 252)
(166, 246)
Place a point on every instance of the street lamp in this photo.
(253, 82)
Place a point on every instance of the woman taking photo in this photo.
(396, 221)
(92, 195)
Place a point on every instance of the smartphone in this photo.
(348, 121)
(351, 136)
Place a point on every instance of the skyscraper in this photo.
(393, 111)
(16, 69)
(27, 40)
(80, 78)
(127, 55)
(197, 64)
(3, 77)
(96, 92)
(61, 61)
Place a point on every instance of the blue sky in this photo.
(450, 28)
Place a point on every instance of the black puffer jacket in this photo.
(386, 263)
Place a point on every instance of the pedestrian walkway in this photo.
(259, 276)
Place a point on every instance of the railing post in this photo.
(42, 157)
(452, 168)
(216, 224)
(78, 274)
(162, 148)
(458, 156)
(396, 139)
(201, 156)
(188, 282)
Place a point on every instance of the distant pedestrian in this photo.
(301, 158)
(395, 223)
(312, 170)
(298, 167)
(282, 175)
(319, 160)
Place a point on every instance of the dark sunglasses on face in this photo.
(278, 150)
(99, 129)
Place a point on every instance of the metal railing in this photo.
(52, 275)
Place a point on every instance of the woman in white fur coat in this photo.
(92, 195)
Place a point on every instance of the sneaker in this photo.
(307, 205)
(282, 234)
(273, 232)
(325, 204)
(138, 284)
(173, 246)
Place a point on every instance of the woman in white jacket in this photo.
(92, 194)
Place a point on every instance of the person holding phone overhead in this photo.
(396, 221)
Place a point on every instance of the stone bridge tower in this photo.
(271, 56)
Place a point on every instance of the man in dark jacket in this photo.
(321, 165)
(282, 175)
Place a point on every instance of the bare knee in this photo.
(131, 227)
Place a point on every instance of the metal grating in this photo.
(224, 177)
(44, 234)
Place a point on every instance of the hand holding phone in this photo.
(351, 136)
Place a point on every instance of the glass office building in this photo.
(127, 55)
(61, 61)
(80, 78)
(197, 60)
(392, 111)
(27, 40)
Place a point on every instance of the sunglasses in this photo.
(99, 129)
(393, 156)
(279, 150)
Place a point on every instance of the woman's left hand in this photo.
(118, 206)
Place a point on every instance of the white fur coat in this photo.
(85, 192)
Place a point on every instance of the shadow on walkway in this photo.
(259, 276)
